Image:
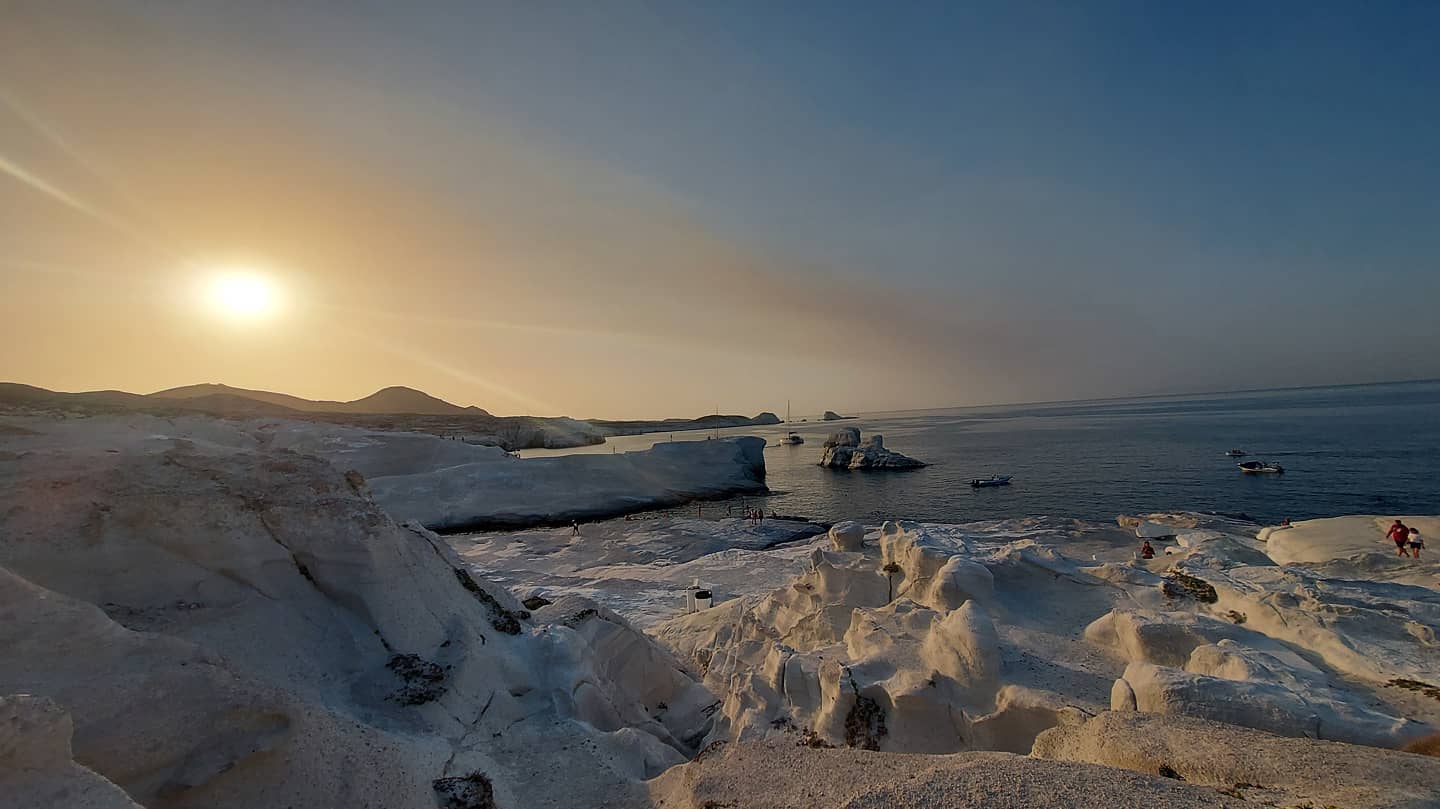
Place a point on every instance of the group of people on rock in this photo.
(754, 515)
(1404, 538)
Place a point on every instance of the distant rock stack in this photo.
(845, 450)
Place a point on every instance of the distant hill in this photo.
(394, 408)
(395, 400)
(282, 399)
(16, 393)
(399, 399)
(223, 399)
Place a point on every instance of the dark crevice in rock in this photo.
(304, 571)
(536, 602)
(865, 723)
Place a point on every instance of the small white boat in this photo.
(993, 480)
(1261, 468)
(1236, 453)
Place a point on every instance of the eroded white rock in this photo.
(846, 450)
(847, 536)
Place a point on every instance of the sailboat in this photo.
(791, 438)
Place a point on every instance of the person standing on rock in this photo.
(1400, 535)
(1415, 542)
(574, 528)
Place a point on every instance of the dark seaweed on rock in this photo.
(502, 619)
(1431, 691)
(421, 681)
(472, 791)
(1182, 585)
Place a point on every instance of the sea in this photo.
(1355, 449)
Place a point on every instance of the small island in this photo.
(845, 450)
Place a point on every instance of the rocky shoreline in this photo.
(199, 616)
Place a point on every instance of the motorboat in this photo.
(993, 480)
(1236, 453)
(1261, 468)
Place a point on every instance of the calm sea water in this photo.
(1346, 450)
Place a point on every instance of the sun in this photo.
(243, 295)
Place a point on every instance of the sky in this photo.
(636, 210)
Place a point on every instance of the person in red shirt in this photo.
(1400, 535)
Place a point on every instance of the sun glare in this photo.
(243, 295)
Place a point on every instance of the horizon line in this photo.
(1224, 392)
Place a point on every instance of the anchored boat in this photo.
(993, 480)
(791, 438)
(1236, 453)
(1261, 468)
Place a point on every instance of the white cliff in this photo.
(450, 485)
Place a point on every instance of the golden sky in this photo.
(415, 242)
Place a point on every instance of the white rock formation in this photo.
(919, 639)
(888, 648)
(1261, 768)
(641, 568)
(1260, 702)
(847, 536)
(237, 627)
(230, 621)
(845, 450)
(450, 485)
(1341, 537)
(559, 489)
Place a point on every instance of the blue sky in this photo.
(1249, 127)
(998, 201)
